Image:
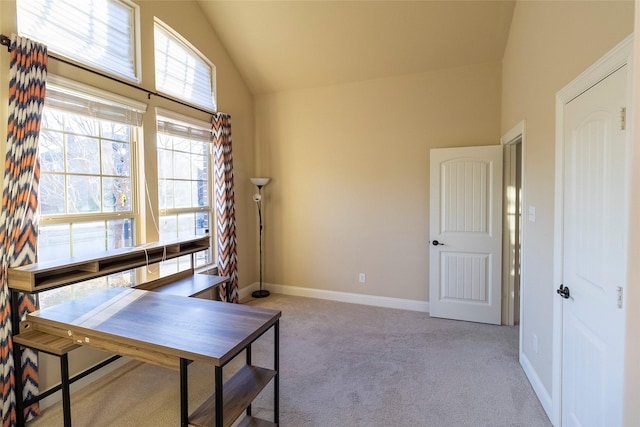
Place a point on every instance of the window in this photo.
(86, 193)
(99, 33)
(184, 180)
(182, 71)
(89, 198)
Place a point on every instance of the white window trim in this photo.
(162, 113)
(187, 43)
(137, 60)
(79, 89)
(182, 119)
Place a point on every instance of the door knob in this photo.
(563, 291)
(436, 243)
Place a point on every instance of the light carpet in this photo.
(341, 365)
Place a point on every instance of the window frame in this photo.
(81, 90)
(136, 49)
(179, 39)
(162, 114)
(76, 92)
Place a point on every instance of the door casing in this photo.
(619, 56)
(510, 284)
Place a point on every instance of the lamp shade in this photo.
(260, 181)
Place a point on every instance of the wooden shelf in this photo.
(43, 341)
(184, 283)
(41, 276)
(238, 393)
(255, 422)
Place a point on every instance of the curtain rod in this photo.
(6, 41)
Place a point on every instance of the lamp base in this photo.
(262, 293)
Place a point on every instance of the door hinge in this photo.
(619, 288)
(623, 118)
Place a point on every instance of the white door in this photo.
(466, 233)
(595, 193)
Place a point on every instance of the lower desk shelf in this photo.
(238, 393)
(255, 422)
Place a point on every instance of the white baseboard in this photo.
(388, 302)
(245, 293)
(543, 395)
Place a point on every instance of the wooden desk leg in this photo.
(66, 396)
(219, 391)
(276, 367)
(184, 394)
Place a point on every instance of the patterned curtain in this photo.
(225, 207)
(28, 73)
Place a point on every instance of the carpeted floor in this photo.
(342, 365)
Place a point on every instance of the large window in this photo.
(92, 187)
(182, 71)
(86, 195)
(184, 178)
(99, 33)
(184, 152)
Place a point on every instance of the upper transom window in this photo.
(182, 71)
(98, 33)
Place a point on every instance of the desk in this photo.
(170, 331)
(186, 284)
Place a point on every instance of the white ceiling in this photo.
(283, 45)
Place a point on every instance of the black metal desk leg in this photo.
(276, 367)
(248, 350)
(17, 358)
(219, 391)
(66, 396)
(184, 394)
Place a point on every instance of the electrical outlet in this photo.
(362, 278)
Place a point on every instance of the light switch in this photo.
(532, 213)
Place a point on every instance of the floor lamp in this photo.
(260, 182)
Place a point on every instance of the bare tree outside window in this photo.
(85, 195)
(184, 188)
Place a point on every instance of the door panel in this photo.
(594, 254)
(465, 277)
(464, 199)
(466, 221)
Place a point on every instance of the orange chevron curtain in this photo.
(18, 228)
(225, 207)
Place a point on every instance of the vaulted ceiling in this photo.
(284, 45)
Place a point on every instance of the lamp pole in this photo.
(260, 182)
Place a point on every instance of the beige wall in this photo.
(350, 163)
(350, 170)
(549, 45)
(233, 97)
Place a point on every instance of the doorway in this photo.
(512, 225)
